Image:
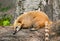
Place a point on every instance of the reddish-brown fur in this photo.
(36, 19)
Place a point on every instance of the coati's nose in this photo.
(14, 32)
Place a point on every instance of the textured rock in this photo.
(6, 34)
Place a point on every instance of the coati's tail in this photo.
(46, 31)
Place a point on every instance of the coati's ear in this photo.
(37, 9)
(25, 13)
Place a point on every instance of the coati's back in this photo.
(39, 16)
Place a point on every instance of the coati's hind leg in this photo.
(34, 27)
(31, 28)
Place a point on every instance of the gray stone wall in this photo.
(7, 3)
(50, 7)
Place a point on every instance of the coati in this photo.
(32, 20)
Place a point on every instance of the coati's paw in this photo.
(33, 29)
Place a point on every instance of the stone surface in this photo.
(6, 34)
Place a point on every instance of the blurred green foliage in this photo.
(5, 19)
(6, 22)
(4, 9)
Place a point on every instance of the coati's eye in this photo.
(16, 27)
(19, 21)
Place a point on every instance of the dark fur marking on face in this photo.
(19, 21)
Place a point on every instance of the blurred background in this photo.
(11, 9)
(7, 10)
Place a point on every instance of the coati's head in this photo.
(17, 27)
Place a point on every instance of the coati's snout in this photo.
(16, 30)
